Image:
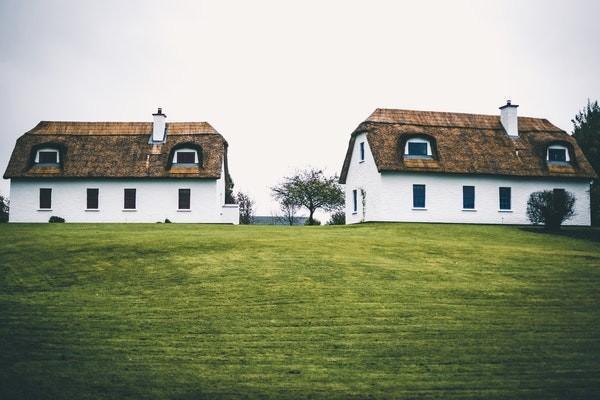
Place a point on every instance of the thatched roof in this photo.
(117, 150)
(467, 144)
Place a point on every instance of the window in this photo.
(129, 201)
(45, 199)
(362, 151)
(186, 157)
(558, 153)
(418, 196)
(504, 198)
(47, 156)
(354, 201)
(92, 199)
(184, 199)
(468, 197)
(418, 147)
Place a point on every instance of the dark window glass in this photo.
(504, 198)
(362, 151)
(417, 149)
(186, 157)
(418, 196)
(184, 199)
(468, 197)
(48, 157)
(355, 200)
(129, 203)
(92, 199)
(45, 198)
(557, 155)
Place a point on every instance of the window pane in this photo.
(362, 151)
(505, 198)
(184, 199)
(92, 199)
(417, 149)
(468, 196)
(354, 201)
(419, 196)
(129, 199)
(45, 198)
(48, 157)
(557, 155)
(186, 157)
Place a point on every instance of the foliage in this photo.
(246, 208)
(586, 130)
(167, 221)
(56, 220)
(313, 222)
(289, 209)
(550, 208)
(311, 189)
(337, 218)
(372, 311)
(4, 209)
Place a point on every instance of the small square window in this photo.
(417, 149)
(92, 199)
(557, 155)
(186, 157)
(468, 197)
(184, 199)
(48, 157)
(504, 194)
(129, 200)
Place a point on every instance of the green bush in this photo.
(56, 220)
(550, 207)
(337, 218)
(313, 222)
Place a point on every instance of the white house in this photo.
(425, 166)
(121, 172)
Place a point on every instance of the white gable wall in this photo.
(389, 195)
(156, 199)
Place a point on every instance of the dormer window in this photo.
(186, 156)
(418, 148)
(558, 154)
(47, 156)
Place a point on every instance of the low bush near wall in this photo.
(56, 220)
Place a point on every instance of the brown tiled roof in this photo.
(467, 144)
(116, 150)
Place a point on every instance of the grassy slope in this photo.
(382, 310)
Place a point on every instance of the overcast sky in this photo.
(286, 82)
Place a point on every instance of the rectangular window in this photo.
(186, 157)
(417, 149)
(362, 151)
(48, 157)
(45, 199)
(558, 155)
(468, 197)
(129, 203)
(354, 201)
(184, 199)
(418, 196)
(92, 199)
(504, 198)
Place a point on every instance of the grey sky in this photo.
(287, 82)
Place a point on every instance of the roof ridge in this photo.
(464, 114)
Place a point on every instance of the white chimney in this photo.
(158, 127)
(509, 119)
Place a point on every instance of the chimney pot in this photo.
(159, 126)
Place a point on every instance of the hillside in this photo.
(377, 310)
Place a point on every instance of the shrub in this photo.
(314, 221)
(167, 221)
(550, 207)
(56, 220)
(337, 218)
(3, 209)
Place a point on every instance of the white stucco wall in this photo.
(390, 195)
(155, 200)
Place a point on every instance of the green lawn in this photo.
(370, 311)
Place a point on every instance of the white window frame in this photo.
(47, 149)
(185, 150)
(558, 147)
(418, 140)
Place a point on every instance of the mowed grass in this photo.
(370, 311)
